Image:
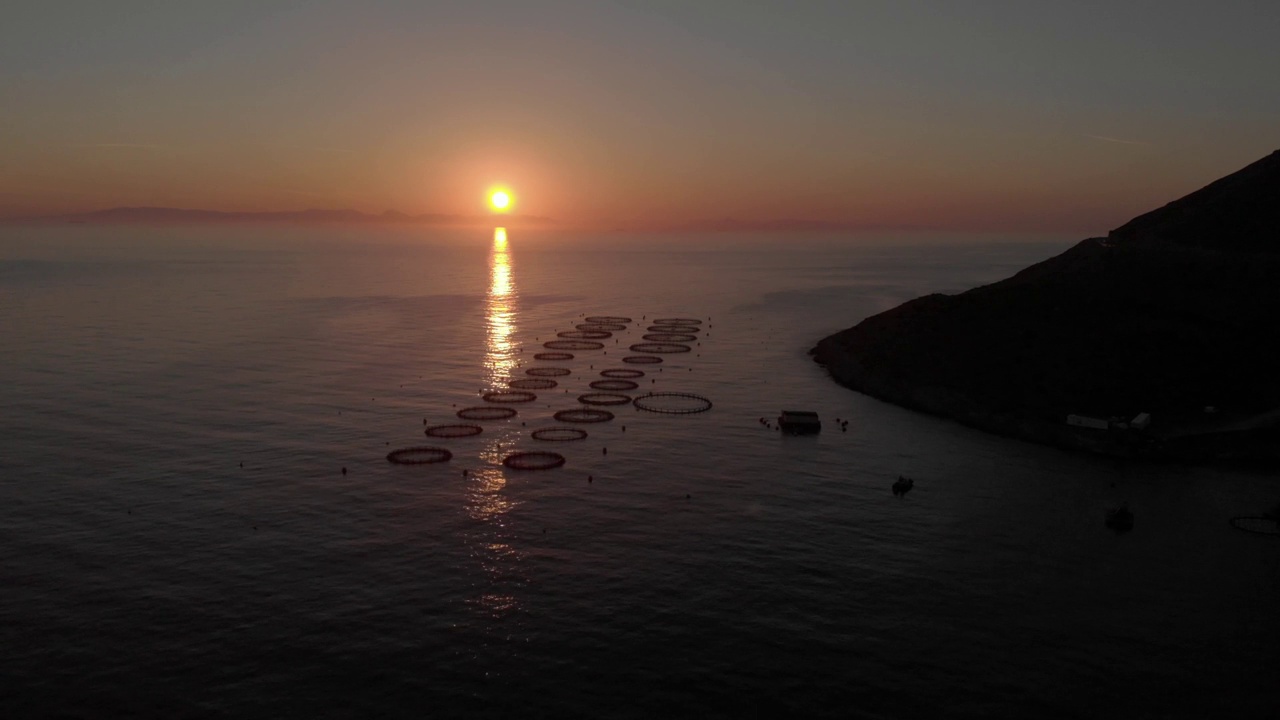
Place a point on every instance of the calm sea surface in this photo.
(178, 539)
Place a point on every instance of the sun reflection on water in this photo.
(487, 498)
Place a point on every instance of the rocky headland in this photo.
(1175, 314)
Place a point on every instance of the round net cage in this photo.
(547, 372)
(673, 403)
(1259, 525)
(553, 356)
(585, 334)
(663, 348)
(665, 337)
(419, 455)
(532, 384)
(642, 359)
(686, 329)
(572, 345)
(622, 373)
(614, 385)
(610, 319)
(677, 321)
(486, 413)
(559, 434)
(605, 327)
(509, 396)
(453, 431)
(535, 460)
(583, 415)
(601, 398)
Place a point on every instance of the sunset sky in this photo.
(992, 115)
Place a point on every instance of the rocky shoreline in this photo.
(1171, 315)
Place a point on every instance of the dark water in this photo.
(711, 569)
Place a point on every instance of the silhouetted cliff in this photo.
(1174, 311)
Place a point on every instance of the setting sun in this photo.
(500, 200)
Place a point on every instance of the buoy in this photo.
(589, 479)
(464, 473)
(344, 470)
(624, 428)
(605, 451)
(688, 497)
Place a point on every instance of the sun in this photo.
(500, 200)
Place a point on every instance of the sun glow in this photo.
(500, 200)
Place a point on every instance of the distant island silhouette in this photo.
(183, 215)
(1153, 342)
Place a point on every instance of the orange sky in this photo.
(635, 114)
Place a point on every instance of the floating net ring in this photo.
(676, 321)
(553, 356)
(660, 347)
(621, 373)
(559, 434)
(583, 415)
(670, 337)
(547, 372)
(536, 460)
(487, 413)
(572, 345)
(686, 329)
(585, 334)
(603, 398)
(532, 384)
(1259, 525)
(419, 455)
(606, 327)
(673, 403)
(614, 385)
(610, 319)
(642, 359)
(453, 431)
(509, 396)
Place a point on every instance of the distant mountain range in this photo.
(183, 215)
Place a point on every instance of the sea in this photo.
(198, 518)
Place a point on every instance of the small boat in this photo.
(799, 422)
(903, 485)
(1120, 519)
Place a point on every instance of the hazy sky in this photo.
(998, 114)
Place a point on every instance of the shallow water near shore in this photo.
(177, 537)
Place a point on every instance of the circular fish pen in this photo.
(673, 403)
(686, 329)
(553, 356)
(572, 345)
(662, 348)
(547, 372)
(486, 413)
(509, 396)
(610, 319)
(583, 415)
(642, 359)
(606, 327)
(665, 337)
(453, 431)
(677, 321)
(584, 334)
(535, 460)
(559, 434)
(1258, 525)
(622, 373)
(614, 385)
(532, 384)
(604, 398)
(419, 455)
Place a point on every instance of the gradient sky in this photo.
(992, 115)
